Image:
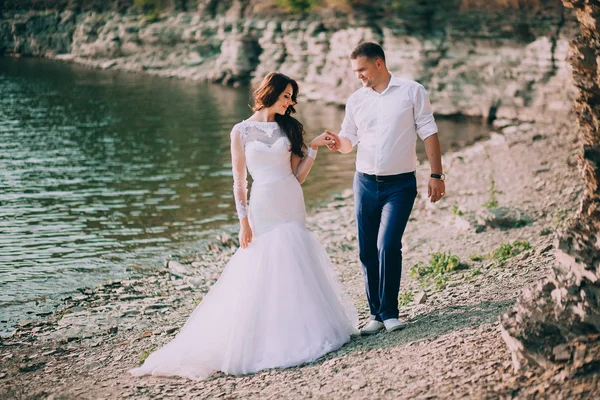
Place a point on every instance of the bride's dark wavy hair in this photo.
(267, 94)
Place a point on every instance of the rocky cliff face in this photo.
(477, 64)
(557, 323)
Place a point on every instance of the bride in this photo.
(278, 302)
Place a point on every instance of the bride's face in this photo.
(284, 100)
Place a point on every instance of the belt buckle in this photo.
(377, 179)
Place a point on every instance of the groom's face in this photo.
(367, 71)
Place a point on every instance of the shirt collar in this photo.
(393, 82)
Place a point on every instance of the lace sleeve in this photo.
(240, 177)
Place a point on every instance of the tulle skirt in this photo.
(278, 303)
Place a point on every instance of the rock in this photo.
(359, 385)
(108, 64)
(502, 217)
(177, 269)
(193, 60)
(421, 298)
(171, 329)
(64, 57)
(196, 281)
(562, 352)
(156, 306)
(510, 130)
(462, 222)
(31, 367)
(501, 123)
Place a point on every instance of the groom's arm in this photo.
(434, 153)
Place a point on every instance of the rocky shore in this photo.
(505, 64)
(492, 233)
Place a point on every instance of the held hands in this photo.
(245, 235)
(326, 138)
(436, 189)
(335, 143)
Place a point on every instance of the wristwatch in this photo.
(441, 177)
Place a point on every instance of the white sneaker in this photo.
(371, 328)
(394, 324)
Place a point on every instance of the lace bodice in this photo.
(262, 149)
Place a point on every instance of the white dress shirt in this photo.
(385, 126)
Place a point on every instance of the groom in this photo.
(384, 118)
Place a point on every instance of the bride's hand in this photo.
(326, 138)
(245, 235)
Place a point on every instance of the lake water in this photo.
(102, 172)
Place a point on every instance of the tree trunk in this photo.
(558, 322)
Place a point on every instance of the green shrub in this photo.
(150, 8)
(298, 6)
(509, 250)
(440, 264)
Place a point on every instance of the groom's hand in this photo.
(436, 189)
(335, 144)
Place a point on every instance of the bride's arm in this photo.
(240, 185)
(301, 165)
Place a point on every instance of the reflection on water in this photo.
(101, 170)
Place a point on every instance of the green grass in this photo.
(197, 301)
(509, 250)
(436, 272)
(457, 211)
(492, 201)
(504, 252)
(520, 223)
(470, 275)
(144, 355)
(546, 231)
(60, 313)
(477, 257)
(405, 299)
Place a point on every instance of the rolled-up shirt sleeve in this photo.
(349, 128)
(423, 113)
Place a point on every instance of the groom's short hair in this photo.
(370, 50)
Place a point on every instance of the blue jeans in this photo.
(382, 210)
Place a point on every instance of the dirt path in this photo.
(451, 349)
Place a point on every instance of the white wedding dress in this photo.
(278, 303)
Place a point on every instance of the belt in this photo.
(388, 178)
